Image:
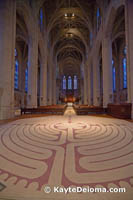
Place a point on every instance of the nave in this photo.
(66, 69)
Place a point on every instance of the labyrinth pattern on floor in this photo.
(65, 151)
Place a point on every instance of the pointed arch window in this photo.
(98, 18)
(75, 83)
(69, 83)
(41, 16)
(16, 73)
(125, 51)
(114, 76)
(64, 83)
(16, 53)
(124, 64)
(26, 79)
(98, 13)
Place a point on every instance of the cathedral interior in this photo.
(66, 96)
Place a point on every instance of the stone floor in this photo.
(66, 151)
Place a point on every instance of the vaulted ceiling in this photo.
(69, 23)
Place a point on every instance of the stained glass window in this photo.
(16, 53)
(124, 63)
(124, 73)
(69, 83)
(75, 83)
(98, 18)
(16, 75)
(16, 71)
(98, 13)
(125, 51)
(26, 80)
(64, 83)
(41, 16)
(114, 76)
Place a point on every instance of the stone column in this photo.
(85, 86)
(89, 85)
(54, 85)
(43, 83)
(32, 69)
(57, 93)
(23, 67)
(82, 90)
(107, 71)
(91, 74)
(7, 57)
(50, 83)
(129, 44)
(96, 81)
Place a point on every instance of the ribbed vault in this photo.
(69, 23)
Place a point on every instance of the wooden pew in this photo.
(122, 111)
(86, 110)
(52, 110)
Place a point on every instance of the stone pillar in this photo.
(23, 67)
(50, 83)
(82, 90)
(43, 83)
(85, 86)
(129, 44)
(89, 85)
(107, 71)
(96, 81)
(57, 93)
(32, 69)
(7, 57)
(54, 85)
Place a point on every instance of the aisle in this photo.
(70, 111)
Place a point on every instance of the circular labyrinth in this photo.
(66, 151)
